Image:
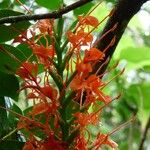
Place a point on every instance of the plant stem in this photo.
(144, 135)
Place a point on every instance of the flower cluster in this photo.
(67, 87)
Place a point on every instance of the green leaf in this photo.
(50, 4)
(9, 85)
(145, 91)
(146, 68)
(136, 57)
(83, 9)
(5, 4)
(8, 32)
(8, 12)
(22, 1)
(27, 51)
(8, 145)
(112, 1)
(8, 63)
(13, 119)
(140, 94)
(3, 118)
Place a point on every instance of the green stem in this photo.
(60, 30)
(66, 60)
(68, 99)
(72, 136)
(71, 78)
(57, 79)
(63, 48)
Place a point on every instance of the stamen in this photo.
(24, 6)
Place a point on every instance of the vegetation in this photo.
(75, 76)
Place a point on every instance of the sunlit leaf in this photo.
(136, 57)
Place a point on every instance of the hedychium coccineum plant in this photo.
(67, 87)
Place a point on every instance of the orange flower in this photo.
(45, 25)
(27, 70)
(50, 92)
(28, 146)
(77, 83)
(85, 119)
(93, 55)
(88, 20)
(52, 144)
(39, 109)
(80, 143)
(84, 68)
(93, 82)
(91, 86)
(103, 139)
(43, 52)
(90, 98)
(80, 38)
